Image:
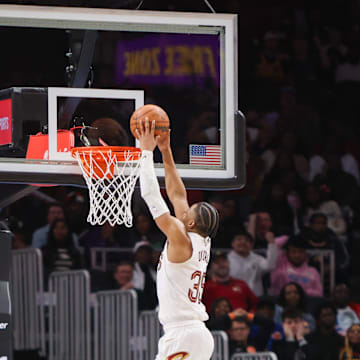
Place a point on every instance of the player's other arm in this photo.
(179, 244)
(174, 185)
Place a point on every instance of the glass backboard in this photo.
(67, 66)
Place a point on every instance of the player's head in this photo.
(202, 218)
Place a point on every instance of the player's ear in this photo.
(191, 224)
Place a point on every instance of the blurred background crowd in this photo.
(299, 80)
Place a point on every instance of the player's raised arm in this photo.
(174, 185)
(179, 243)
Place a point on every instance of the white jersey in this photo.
(180, 285)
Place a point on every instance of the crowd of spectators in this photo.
(299, 79)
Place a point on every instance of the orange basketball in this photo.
(152, 112)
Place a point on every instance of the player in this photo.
(183, 262)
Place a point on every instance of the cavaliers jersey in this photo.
(180, 285)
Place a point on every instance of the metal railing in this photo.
(69, 316)
(115, 325)
(326, 277)
(101, 253)
(256, 356)
(26, 287)
(221, 348)
(150, 332)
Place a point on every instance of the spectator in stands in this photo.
(292, 296)
(260, 228)
(279, 174)
(324, 343)
(19, 242)
(264, 330)
(123, 275)
(356, 307)
(250, 267)
(59, 253)
(123, 280)
(19, 238)
(231, 218)
(317, 202)
(76, 208)
(270, 65)
(239, 334)
(345, 315)
(333, 145)
(295, 203)
(274, 200)
(144, 276)
(262, 137)
(228, 222)
(292, 266)
(302, 62)
(40, 236)
(292, 345)
(221, 314)
(350, 69)
(288, 143)
(103, 236)
(351, 351)
(343, 185)
(221, 284)
(332, 50)
(319, 236)
(144, 230)
(299, 118)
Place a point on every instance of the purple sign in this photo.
(168, 59)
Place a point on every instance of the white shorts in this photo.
(192, 341)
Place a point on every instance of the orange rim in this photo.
(118, 151)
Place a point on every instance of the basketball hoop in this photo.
(110, 173)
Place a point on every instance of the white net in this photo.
(111, 184)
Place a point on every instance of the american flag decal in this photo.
(205, 155)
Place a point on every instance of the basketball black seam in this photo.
(145, 113)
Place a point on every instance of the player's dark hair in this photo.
(206, 219)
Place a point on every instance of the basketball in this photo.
(152, 112)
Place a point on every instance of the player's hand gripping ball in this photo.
(152, 112)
